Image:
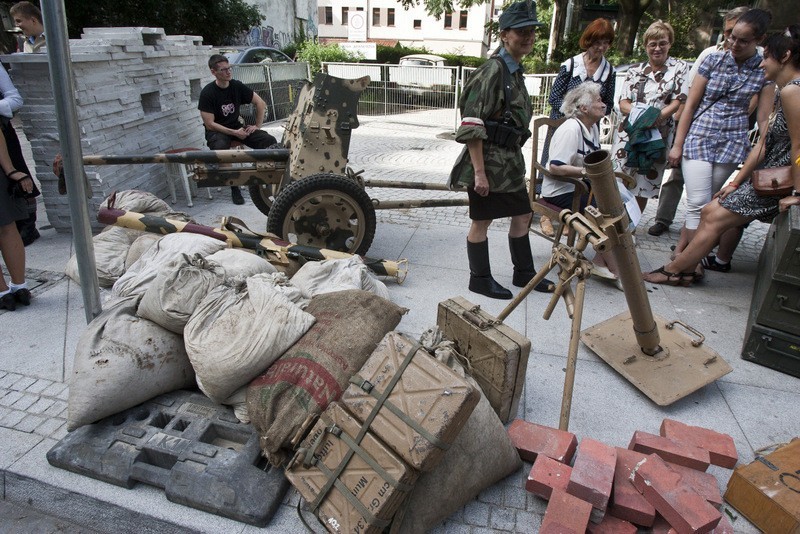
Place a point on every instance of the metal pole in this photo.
(601, 174)
(55, 23)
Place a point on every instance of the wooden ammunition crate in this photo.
(427, 403)
(326, 450)
(766, 491)
(497, 353)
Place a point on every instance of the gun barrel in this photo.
(192, 156)
(163, 226)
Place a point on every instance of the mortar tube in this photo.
(601, 174)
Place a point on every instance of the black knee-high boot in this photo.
(522, 259)
(480, 272)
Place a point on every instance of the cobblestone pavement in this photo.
(33, 405)
(384, 150)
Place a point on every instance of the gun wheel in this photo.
(263, 197)
(325, 211)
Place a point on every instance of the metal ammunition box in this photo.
(786, 230)
(337, 468)
(772, 348)
(420, 404)
(497, 353)
(776, 301)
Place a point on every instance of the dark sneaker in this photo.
(710, 263)
(23, 296)
(236, 196)
(657, 229)
(7, 302)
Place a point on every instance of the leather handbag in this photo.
(773, 181)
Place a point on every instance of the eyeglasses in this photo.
(660, 44)
(226, 69)
(733, 40)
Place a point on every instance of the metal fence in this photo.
(277, 83)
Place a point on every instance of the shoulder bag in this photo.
(772, 181)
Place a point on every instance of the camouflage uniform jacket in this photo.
(483, 99)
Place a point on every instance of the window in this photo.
(344, 15)
(376, 16)
(359, 9)
(448, 21)
(325, 15)
(417, 24)
(390, 17)
(462, 20)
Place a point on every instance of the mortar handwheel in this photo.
(325, 211)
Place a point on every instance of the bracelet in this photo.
(733, 185)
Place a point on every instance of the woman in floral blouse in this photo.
(654, 88)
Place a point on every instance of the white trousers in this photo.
(702, 179)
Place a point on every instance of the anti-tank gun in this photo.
(303, 184)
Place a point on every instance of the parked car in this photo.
(255, 54)
(418, 73)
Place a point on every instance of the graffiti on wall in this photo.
(266, 36)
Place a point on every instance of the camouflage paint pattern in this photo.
(270, 247)
(483, 98)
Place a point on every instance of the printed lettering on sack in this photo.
(305, 374)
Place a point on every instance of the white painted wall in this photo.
(432, 34)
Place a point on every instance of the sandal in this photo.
(673, 279)
(547, 226)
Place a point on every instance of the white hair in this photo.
(583, 95)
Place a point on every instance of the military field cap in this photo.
(519, 15)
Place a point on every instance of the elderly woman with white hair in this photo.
(577, 137)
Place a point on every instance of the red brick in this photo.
(547, 475)
(565, 514)
(684, 509)
(660, 526)
(612, 525)
(626, 501)
(721, 448)
(676, 453)
(531, 440)
(704, 484)
(593, 474)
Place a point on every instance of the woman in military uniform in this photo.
(496, 111)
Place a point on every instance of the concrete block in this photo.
(683, 508)
(593, 475)
(612, 525)
(627, 502)
(676, 453)
(547, 475)
(565, 514)
(531, 440)
(721, 448)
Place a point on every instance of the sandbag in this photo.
(177, 290)
(238, 401)
(316, 370)
(123, 360)
(142, 273)
(237, 332)
(480, 456)
(138, 201)
(240, 263)
(110, 249)
(282, 284)
(318, 277)
(139, 247)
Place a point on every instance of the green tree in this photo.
(217, 21)
(315, 54)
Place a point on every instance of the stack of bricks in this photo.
(659, 482)
(136, 92)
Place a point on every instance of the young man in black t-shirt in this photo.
(219, 108)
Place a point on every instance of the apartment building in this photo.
(388, 23)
